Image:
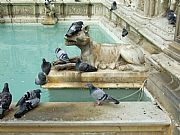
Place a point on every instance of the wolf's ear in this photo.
(86, 29)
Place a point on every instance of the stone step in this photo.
(173, 51)
(101, 76)
(79, 118)
(82, 85)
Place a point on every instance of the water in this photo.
(22, 47)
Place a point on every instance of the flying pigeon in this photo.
(124, 32)
(99, 95)
(84, 67)
(74, 28)
(45, 66)
(171, 16)
(5, 100)
(113, 6)
(62, 55)
(41, 79)
(28, 102)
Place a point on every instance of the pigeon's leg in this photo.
(10, 109)
(97, 103)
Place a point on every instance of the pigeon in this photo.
(77, 0)
(84, 67)
(113, 6)
(74, 28)
(5, 100)
(45, 66)
(99, 95)
(41, 79)
(171, 16)
(124, 32)
(28, 102)
(62, 55)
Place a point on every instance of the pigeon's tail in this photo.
(1, 113)
(23, 109)
(113, 100)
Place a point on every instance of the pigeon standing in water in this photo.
(5, 100)
(99, 95)
(62, 55)
(45, 66)
(84, 67)
(113, 6)
(41, 79)
(124, 32)
(29, 101)
(74, 28)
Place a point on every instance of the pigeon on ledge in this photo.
(62, 55)
(41, 78)
(124, 32)
(29, 101)
(84, 67)
(45, 66)
(99, 95)
(113, 6)
(5, 100)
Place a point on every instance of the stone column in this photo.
(177, 32)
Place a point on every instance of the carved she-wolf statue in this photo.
(104, 56)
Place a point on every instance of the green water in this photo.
(22, 47)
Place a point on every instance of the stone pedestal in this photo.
(48, 20)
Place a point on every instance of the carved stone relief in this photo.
(76, 10)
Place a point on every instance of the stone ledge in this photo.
(85, 117)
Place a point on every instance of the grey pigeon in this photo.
(99, 95)
(74, 28)
(124, 32)
(5, 100)
(41, 79)
(62, 55)
(171, 16)
(28, 102)
(45, 66)
(84, 67)
(113, 6)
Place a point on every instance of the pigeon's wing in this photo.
(6, 99)
(62, 55)
(83, 66)
(98, 94)
(34, 102)
(21, 101)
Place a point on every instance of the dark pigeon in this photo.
(124, 32)
(171, 16)
(41, 79)
(5, 100)
(74, 28)
(29, 101)
(45, 66)
(84, 67)
(46, 3)
(99, 95)
(113, 6)
(62, 55)
(77, 0)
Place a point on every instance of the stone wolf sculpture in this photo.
(104, 56)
